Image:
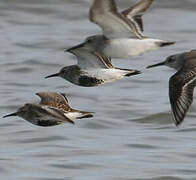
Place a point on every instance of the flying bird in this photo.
(182, 83)
(52, 110)
(92, 69)
(122, 31)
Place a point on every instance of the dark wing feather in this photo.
(136, 12)
(92, 59)
(139, 21)
(104, 59)
(181, 86)
(53, 99)
(57, 112)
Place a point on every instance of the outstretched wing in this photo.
(181, 86)
(135, 13)
(56, 100)
(57, 113)
(104, 59)
(91, 59)
(114, 24)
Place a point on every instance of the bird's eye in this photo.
(62, 71)
(89, 40)
(171, 59)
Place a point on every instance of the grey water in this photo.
(131, 137)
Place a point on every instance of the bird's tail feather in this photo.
(85, 115)
(130, 72)
(166, 43)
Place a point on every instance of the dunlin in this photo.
(181, 84)
(92, 69)
(52, 110)
(122, 32)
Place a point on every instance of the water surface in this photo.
(131, 137)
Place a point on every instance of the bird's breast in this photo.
(88, 81)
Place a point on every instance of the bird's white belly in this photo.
(107, 75)
(73, 115)
(123, 48)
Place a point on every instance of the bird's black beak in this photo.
(53, 75)
(13, 114)
(75, 47)
(155, 65)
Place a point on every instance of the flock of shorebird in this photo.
(122, 37)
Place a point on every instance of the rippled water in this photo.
(131, 137)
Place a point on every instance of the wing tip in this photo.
(178, 118)
(166, 43)
(134, 72)
(178, 123)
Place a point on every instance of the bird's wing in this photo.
(52, 99)
(135, 13)
(114, 24)
(181, 86)
(57, 113)
(91, 59)
(191, 55)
